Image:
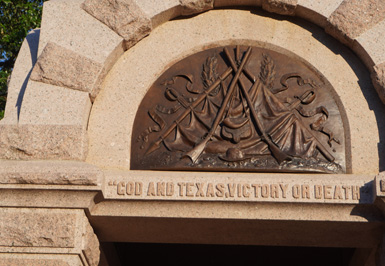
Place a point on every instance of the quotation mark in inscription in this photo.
(112, 183)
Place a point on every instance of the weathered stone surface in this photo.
(30, 142)
(53, 236)
(354, 17)
(160, 11)
(378, 78)
(37, 228)
(323, 7)
(38, 260)
(370, 45)
(122, 16)
(317, 11)
(49, 173)
(62, 67)
(68, 25)
(282, 7)
(82, 34)
(56, 105)
(196, 6)
(91, 246)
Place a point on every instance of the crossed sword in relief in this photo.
(195, 153)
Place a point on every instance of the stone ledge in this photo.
(62, 67)
(353, 17)
(49, 173)
(32, 142)
(123, 16)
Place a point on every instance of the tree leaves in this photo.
(17, 18)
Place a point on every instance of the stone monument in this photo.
(217, 122)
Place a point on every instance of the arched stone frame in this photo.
(71, 65)
(101, 32)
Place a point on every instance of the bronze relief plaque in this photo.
(240, 108)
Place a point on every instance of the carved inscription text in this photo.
(152, 190)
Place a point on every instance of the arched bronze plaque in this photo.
(240, 108)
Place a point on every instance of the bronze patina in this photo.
(243, 108)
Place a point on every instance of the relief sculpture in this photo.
(243, 108)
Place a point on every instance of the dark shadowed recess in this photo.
(186, 254)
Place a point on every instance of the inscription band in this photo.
(247, 187)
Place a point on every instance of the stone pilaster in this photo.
(40, 236)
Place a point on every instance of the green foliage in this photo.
(17, 18)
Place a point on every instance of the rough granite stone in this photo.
(282, 7)
(47, 236)
(190, 7)
(68, 25)
(27, 228)
(32, 262)
(378, 79)
(354, 17)
(28, 142)
(56, 105)
(62, 67)
(49, 173)
(122, 16)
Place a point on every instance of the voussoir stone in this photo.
(282, 7)
(190, 7)
(62, 67)
(378, 78)
(353, 17)
(122, 16)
